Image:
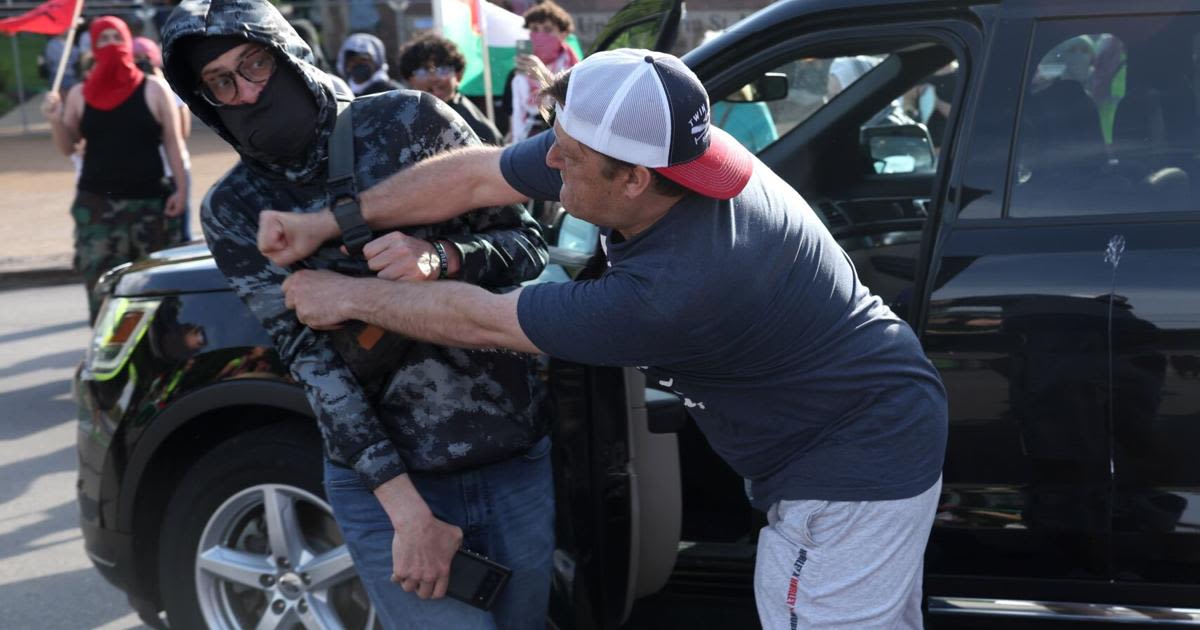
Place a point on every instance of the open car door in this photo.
(617, 484)
(616, 461)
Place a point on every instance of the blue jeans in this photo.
(506, 512)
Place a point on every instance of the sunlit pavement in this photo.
(46, 580)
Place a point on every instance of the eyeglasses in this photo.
(221, 89)
(426, 73)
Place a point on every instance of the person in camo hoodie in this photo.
(426, 447)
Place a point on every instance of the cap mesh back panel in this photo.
(642, 118)
(589, 105)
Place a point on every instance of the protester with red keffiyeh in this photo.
(124, 207)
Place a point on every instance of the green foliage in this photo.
(29, 47)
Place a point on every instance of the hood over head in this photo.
(260, 22)
(114, 77)
(362, 44)
(370, 46)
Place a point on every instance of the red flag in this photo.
(49, 18)
(476, 10)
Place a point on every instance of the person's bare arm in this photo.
(439, 189)
(64, 117)
(444, 313)
(185, 121)
(422, 545)
(429, 192)
(168, 117)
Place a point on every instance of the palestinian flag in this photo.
(466, 22)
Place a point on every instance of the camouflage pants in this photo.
(110, 232)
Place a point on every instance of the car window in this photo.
(812, 83)
(1108, 121)
(902, 138)
(906, 136)
(852, 134)
(928, 102)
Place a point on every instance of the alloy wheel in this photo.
(271, 556)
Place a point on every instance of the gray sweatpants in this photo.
(831, 564)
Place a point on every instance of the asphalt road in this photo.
(46, 580)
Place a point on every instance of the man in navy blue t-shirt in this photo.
(724, 287)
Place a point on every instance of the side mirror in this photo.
(772, 86)
(899, 148)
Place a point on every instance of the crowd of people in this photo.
(431, 445)
(126, 207)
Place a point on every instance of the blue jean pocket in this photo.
(342, 477)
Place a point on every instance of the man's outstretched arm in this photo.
(439, 189)
(444, 313)
(429, 192)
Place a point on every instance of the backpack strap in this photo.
(343, 191)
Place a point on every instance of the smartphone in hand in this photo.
(476, 580)
(524, 47)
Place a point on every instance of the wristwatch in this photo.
(443, 260)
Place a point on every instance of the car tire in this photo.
(247, 534)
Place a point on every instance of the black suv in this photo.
(1013, 177)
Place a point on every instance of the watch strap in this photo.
(443, 260)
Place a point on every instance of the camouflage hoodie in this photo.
(431, 408)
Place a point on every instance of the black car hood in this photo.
(186, 269)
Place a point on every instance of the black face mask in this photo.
(281, 124)
(144, 66)
(361, 72)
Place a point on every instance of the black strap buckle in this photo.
(342, 188)
(355, 233)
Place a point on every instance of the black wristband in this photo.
(355, 233)
(443, 260)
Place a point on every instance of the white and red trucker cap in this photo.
(648, 108)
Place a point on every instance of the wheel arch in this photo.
(182, 434)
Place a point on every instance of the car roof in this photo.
(790, 10)
(768, 19)
(797, 7)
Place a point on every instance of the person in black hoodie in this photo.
(426, 447)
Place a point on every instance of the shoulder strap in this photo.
(341, 146)
(342, 190)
